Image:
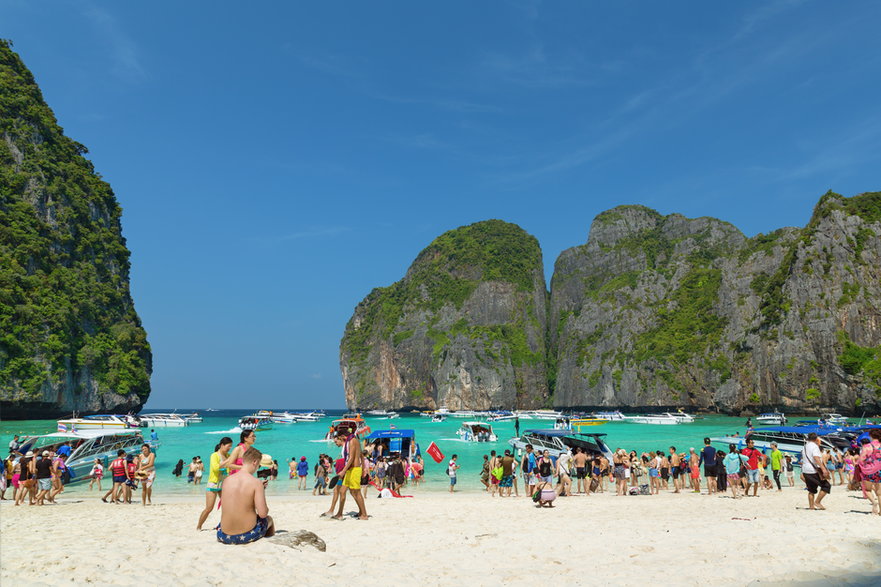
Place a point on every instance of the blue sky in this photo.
(276, 161)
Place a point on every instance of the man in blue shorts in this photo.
(245, 517)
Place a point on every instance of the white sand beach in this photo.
(464, 538)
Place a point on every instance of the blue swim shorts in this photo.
(252, 535)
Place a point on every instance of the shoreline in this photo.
(438, 539)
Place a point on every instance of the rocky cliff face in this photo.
(70, 339)
(465, 328)
(668, 311)
(653, 311)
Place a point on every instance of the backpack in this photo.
(871, 463)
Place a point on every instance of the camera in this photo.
(264, 473)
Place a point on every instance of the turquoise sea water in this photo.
(285, 441)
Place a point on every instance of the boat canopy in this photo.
(820, 430)
(86, 434)
(392, 434)
(555, 432)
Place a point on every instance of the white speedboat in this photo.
(88, 445)
(538, 414)
(163, 421)
(313, 416)
(615, 416)
(501, 416)
(836, 419)
(477, 432)
(193, 418)
(438, 418)
(771, 418)
(99, 422)
(657, 419)
(681, 416)
(255, 422)
(557, 442)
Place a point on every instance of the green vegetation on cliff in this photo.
(860, 360)
(447, 271)
(65, 307)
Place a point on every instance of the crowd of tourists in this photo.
(741, 471)
(37, 478)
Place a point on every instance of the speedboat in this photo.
(163, 421)
(557, 442)
(836, 419)
(477, 432)
(313, 416)
(771, 418)
(99, 422)
(653, 419)
(277, 418)
(381, 413)
(501, 416)
(438, 418)
(790, 439)
(539, 414)
(577, 423)
(88, 445)
(352, 422)
(615, 416)
(681, 416)
(193, 418)
(255, 422)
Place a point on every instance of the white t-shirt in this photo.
(564, 459)
(451, 469)
(812, 454)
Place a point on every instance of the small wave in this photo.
(322, 440)
(235, 430)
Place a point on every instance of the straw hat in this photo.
(266, 461)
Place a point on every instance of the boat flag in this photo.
(62, 427)
(435, 452)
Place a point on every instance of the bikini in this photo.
(238, 461)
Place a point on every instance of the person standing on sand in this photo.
(708, 460)
(694, 469)
(335, 481)
(870, 469)
(815, 473)
(96, 474)
(245, 514)
(493, 480)
(721, 473)
(732, 463)
(752, 466)
(120, 476)
(675, 461)
(564, 480)
(146, 473)
(507, 481)
(452, 471)
(527, 466)
(579, 461)
(351, 476)
(484, 473)
(216, 463)
(776, 464)
(790, 470)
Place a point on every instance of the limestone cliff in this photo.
(668, 311)
(464, 328)
(69, 335)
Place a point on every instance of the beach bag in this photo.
(644, 490)
(871, 463)
(497, 473)
(594, 483)
(633, 491)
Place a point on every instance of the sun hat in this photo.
(30, 453)
(45, 453)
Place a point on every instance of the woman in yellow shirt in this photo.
(216, 472)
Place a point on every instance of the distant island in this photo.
(652, 312)
(70, 339)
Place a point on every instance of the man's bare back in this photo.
(244, 501)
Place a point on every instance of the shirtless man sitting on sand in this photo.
(245, 515)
